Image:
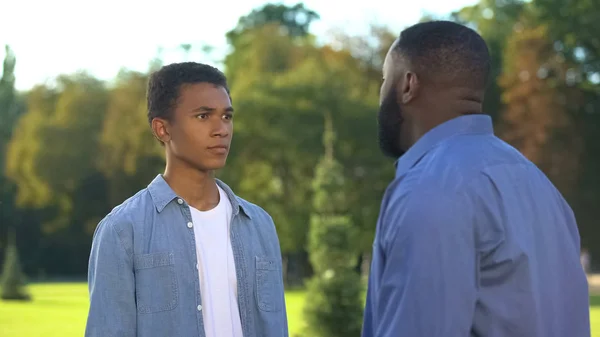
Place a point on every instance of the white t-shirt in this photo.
(216, 269)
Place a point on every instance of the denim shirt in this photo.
(143, 277)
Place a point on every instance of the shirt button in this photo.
(196, 266)
(199, 308)
(180, 201)
(190, 225)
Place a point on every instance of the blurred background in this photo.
(304, 78)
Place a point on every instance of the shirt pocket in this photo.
(155, 282)
(269, 287)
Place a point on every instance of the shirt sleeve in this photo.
(111, 281)
(284, 319)
(428, 281)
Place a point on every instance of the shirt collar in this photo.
(467, 124)
(162, 194)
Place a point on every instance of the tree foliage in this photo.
(12, 283)
(10, 110)
(129, 155)
(334, 298)
(542, 104)
(54, 148)
(75, 148)
(294, 20)
(575, 26)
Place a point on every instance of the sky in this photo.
(65, 36)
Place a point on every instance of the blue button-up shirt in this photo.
(473, 240)
(142, 273)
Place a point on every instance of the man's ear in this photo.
(409, 89)
(160, 129)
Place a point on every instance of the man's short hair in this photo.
(446, 52)
(164, 85)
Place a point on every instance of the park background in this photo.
(304, 78)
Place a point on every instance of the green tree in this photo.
(294, 19)
(268, 164)
(258, 38)
(12, 283)
(13, 280)
(52, 154)
(52, 157)
(358, 65)
(333, 301)
(281, 86)
(279, 123)
(574, 26)
(11, 108)
(130, 156)
(271, 156)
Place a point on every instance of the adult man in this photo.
(185, 256)
(472, 239)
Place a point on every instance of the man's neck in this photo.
(197, 188)
(436, 117)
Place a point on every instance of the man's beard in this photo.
(390, 120)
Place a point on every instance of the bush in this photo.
(333, 305)
(13, 280)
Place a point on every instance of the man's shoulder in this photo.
(262, 225)
(456, 163)
(253, 211)
(423, 204)
(125, 215)
(416, 191)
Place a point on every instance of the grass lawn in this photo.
(60, 309)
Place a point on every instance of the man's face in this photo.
(390, 114)
(201, 126)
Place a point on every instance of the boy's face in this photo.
(200, 129)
